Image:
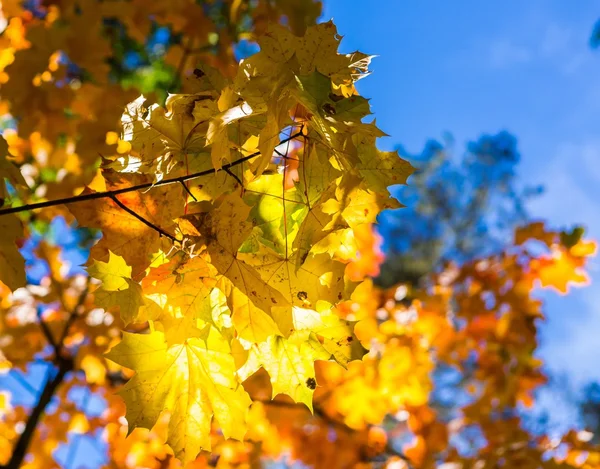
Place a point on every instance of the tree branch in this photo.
(187, 189)
(64, 365)
(47, 332)
(319, 412)
(72, 317)
(234, 176)
(148, 185)
(142, 219)
(187, 50)
(20, 449)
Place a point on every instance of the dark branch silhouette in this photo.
(66, 364)
(187, 189)
(63, 366)
(142, 219)
(125, 190)
(333, 422)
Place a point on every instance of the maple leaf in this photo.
(561, 270)
(535, 231)
(336, 334)
(118, 289)
(290, 364)
(185, 289)
(249, 297)
(193, 380)
(319, 278)
(354, 204)
(380, 169)
(123, 233)
(316, 178)
(290, 361)
(161, 137)
(318, 50)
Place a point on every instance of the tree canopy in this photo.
(187, 257)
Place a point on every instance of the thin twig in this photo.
(142, 219)
(285, 157)
(20, 449)
(181, 66)
(46, 330)
(64, 366)
(139, 187)
(187, 189)
(73, 316)
(234, 176)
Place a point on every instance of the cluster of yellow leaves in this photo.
(255, 262)
(479, 322)
(58, 84)
(233, 265)
(564, 265)
(480, 319)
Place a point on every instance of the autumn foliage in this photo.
(226, 314)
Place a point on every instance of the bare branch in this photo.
(20, 449)
(139, 187)
(187, 189)
(47, 332)
(234, 176)
(63, 365)
(73, 316)
(142, 219)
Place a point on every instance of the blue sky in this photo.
(473, 67)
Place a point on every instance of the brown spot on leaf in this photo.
(302, 295)
(328, 108)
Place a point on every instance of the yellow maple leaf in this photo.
(123, 233)
(118, 289)
(249, 297)
(193, 380)
(185, 289)
(381, 169)
(290, 363)
(560, 271)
